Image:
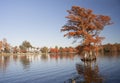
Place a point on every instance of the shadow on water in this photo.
(87, 72)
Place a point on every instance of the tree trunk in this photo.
(88, 56)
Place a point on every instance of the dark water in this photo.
(59, 69)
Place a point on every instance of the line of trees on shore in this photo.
(5, 47)
(111, 47)
(26, 47)
(106, 48)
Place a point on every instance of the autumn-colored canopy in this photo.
(82, 23)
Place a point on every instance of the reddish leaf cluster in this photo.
(82, 23)
(53, 50)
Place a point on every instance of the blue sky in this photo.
(40, 21)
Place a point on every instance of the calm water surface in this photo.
(59, 69)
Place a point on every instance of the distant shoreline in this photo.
(8, 54)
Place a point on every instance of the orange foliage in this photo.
(84, 24)
(53, 50)
(86, 48)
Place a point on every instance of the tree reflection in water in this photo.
(44, 57)
(24, 59)
(88, 72)
(62, 56)
(4, 62)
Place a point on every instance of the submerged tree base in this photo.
(88, 59)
